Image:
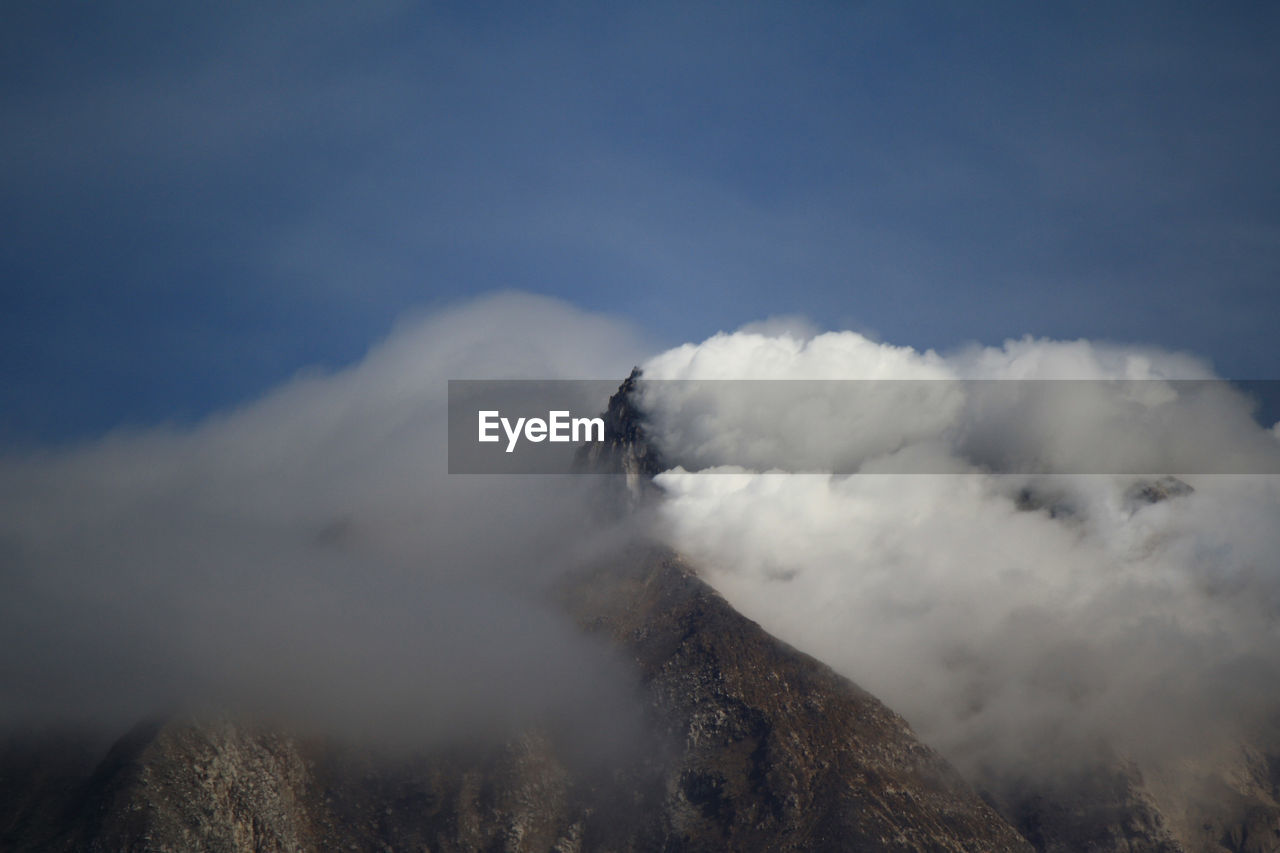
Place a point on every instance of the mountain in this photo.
(740, 743)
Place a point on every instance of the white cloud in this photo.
(1014, 620)
(1169, 414)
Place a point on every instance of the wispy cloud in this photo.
(307, 554)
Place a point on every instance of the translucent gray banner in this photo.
(1140, 427)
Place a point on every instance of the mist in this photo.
(1026, 623)
(307, 556)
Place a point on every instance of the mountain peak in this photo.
(628, 447)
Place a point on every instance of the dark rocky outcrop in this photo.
(1146, 492)
(627, 455)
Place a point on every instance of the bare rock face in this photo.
(171, 787)
(626, 449)
(772, 750)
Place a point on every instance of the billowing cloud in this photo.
(1031, 406)
(1017, 621)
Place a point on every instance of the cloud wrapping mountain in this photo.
(1018, 621)
(308, 555)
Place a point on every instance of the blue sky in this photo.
(199, 202)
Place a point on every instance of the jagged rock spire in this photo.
(628, 448)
